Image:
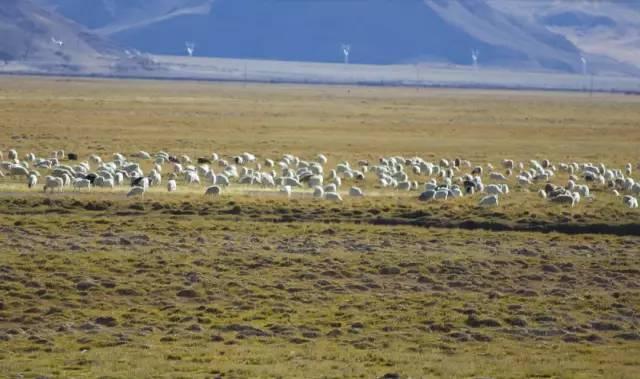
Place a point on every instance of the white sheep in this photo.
(17, 170)
(67, 179)
(455, 192)
(286, 190)
(341, 168)
(191, 177)
(630, 201)
(331, 187)
(356, 192)
(248, 157)
(95, 159)
(489, 201)
(32, 181)
(508, 164)
(12, 154)
(210, 176)
(493, 189)
(107, 182)
(628, 183)
(333, 196)
(320, 158)
(79, 183)
(267, 180)
(118, 178)
(441, 194)
(155, 178)
(222, 180)
(293, 182)
(142, 155)
(582, 189)
(171, 185)
(43, 163)
(576, 196)
(250, 179)
(430, 185)
(53, 182)
(315, 180)
(318, 192)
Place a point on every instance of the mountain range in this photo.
(535, 35)
(31, 33)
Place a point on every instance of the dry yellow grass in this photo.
(347, 122)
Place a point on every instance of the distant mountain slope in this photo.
(114, 15)
(535, 44)
(379, 31)
(603, 28)
(32, 34)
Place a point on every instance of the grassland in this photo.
(344, 122)
(95, 285)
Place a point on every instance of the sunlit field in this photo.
(255, 284)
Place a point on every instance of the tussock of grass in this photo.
(189, 294)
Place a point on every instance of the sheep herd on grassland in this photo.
(440, 181)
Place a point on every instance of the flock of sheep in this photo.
(436, 181)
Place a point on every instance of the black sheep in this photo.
(137, 182)
(469, 186)
(91, 177)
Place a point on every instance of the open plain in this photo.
(255, 284)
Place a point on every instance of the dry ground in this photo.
(93, 285)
